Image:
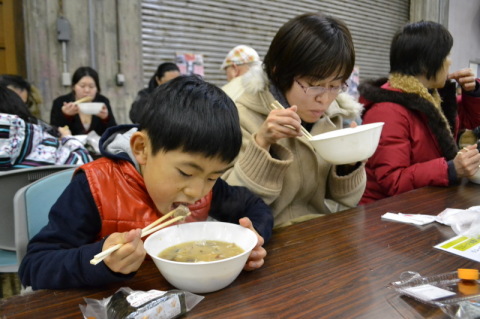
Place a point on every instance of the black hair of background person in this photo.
(86, 71)
(420, 48)
(141, 99)
(15, 81)
(11, 103)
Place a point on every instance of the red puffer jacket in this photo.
(416, 144)
(125, 204)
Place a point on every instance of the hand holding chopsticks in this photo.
(181, 213)
(277, 106)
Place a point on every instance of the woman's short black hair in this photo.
(11, 103)
(310, 45)
(420, 49)
(192, 115)
(86, 71)
(161, 70)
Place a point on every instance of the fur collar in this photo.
(441, 121)
(256, 81)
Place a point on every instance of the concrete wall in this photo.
(93, 43)
(464, 24)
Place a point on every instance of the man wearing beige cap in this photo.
(239, 60)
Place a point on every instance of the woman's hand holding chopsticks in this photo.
(118, 241)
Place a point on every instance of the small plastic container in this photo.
(439, 290)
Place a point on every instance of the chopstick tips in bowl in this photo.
(181, 213)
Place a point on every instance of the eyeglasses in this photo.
(319, 90)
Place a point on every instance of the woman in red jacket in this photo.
(422, 117)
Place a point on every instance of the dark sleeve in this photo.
(230, 203)
(57, 118)
(58, 257)
(99, 125)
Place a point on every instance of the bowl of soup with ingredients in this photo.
(201, 257)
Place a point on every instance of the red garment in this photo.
(410, 155)
(126, 204)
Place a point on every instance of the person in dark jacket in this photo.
(175, 156)
(422, 118)
(85, 83)
(165, 72)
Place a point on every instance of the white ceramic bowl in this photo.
(348, 145)
(201, 277)
(90, 108)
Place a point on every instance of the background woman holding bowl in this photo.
(85, 83)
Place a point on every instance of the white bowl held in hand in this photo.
(201, 277)
(348, 145)
(90, 108)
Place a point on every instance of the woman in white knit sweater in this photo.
(305, 69)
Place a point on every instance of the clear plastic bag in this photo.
(463, 222)
(132, 304)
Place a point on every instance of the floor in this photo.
(10, 285)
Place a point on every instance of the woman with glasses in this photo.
(85, 83)
(418, 104)
(305, 70)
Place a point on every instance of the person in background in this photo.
(418, 105)
(165, 72)
(25, 142)
(147, 170)
(239, 60)
(27, 92)
(85, 83)
(306, 67)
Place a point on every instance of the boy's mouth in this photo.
(176, 204)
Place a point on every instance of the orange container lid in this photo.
(468, 274)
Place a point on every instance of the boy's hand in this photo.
(255, 260)
(130, 256)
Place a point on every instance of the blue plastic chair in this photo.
(12, 181)
(32, 204)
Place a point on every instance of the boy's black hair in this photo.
(86, 71)
(310, 45)
(194, 116)
(420, 49)
(11, 103)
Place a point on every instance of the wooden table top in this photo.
(336, 266)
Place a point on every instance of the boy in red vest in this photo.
(187, 137)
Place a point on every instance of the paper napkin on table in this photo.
(416, 219)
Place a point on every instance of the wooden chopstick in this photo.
(83, 99)
(145, 231)
(276, 105)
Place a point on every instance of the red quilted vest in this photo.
(122, 199)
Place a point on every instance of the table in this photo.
(336, 266)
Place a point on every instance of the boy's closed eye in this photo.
(211, 179)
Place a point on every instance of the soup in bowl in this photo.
(183, 267)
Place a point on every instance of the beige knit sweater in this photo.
(296, 182)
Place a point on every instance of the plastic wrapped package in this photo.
(135, 304)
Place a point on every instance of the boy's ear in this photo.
(139, 143)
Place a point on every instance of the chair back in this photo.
(32, 205)
(12, 181)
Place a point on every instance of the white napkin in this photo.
(416, 219)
